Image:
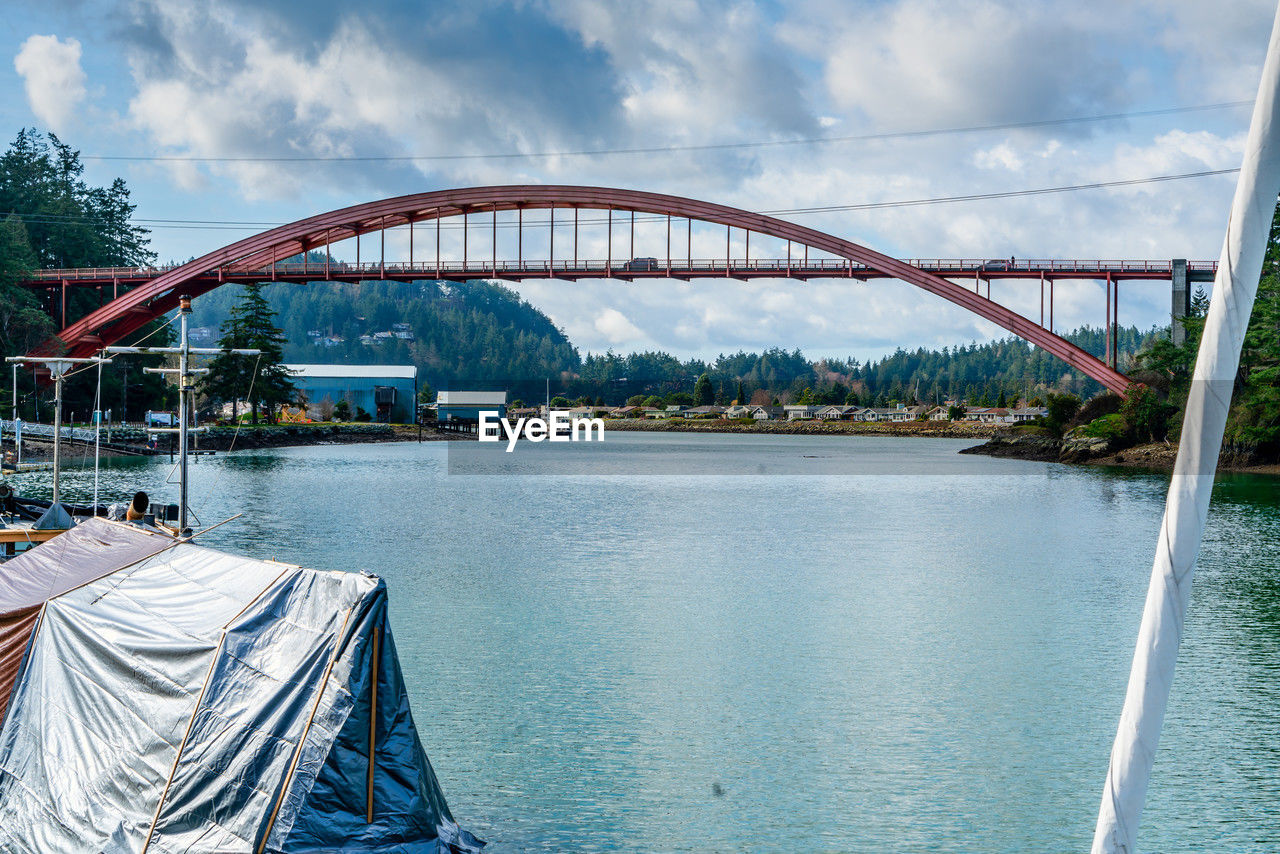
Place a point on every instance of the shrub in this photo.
(1062, 407)
(1113, 427)
(1146, 415)
(1096, 407)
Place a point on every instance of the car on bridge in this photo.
(644, 265)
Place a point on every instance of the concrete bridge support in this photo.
(1181, 300)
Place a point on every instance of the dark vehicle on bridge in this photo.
(998, 265)
(648, 265)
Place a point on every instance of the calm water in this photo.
(928, 657)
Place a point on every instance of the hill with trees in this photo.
(477, 334)
(50, 217)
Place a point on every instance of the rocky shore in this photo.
(292, 435)
(1092, 450)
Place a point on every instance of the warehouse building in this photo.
(466, 406)
(387, 392)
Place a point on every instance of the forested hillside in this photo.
(473, 333)
(974, 372)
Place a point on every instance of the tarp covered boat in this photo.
(162, 696)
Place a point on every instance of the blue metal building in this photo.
(387, 392)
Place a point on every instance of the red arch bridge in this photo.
(553, 232)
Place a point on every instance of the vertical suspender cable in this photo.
(1248, 228)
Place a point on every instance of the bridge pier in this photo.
(1181, 300)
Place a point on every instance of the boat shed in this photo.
(386, 392)
(466, 406)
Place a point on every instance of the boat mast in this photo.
(1187, 505)
(57, 368)
(184, 351)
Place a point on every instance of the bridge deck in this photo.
(642, 268)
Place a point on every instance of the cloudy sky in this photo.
(288, 78)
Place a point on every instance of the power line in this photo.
(242, 225)
(1007, 194)
(665, 149)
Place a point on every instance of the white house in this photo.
(1027, 413)
(797, 412)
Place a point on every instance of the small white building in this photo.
(1027, 413)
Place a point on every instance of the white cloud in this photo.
(616, 329)
(584, 74)
(53, 79)
(1000, 156)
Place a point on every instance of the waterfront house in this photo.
(800, 412)
(988, 415)
(1027, 413)
(832, 413)
(937, 413)
(704, 412)
(738, 410)
(627, 412)
(768, 413)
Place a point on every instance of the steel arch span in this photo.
(159, 295)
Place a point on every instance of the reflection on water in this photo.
(918, 661)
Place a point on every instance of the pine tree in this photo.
(22, 323)
(263, 380)
(742, 395)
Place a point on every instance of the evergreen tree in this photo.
(22, 324)
(703, 392)
(742, 394)
(262, 381)
(1199, 302)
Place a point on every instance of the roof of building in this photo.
(403, 372)
(471, 398)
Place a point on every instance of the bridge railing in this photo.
(103, 272)
(985, 266)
